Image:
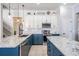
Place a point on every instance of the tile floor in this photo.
(38, 50)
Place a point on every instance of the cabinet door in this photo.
(54, 23)
(48, 19)
(31, 40)
(52, 50)
(40, 39)
(37, 39)
(49, 48)
(44, 19)
(38, 21)
(55, 51)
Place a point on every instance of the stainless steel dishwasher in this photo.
(25, 48)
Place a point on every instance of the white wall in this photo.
(8, 20)
(0, 24)
(76, 10)
(68, 19)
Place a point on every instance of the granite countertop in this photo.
(65, 45)
(12, 41)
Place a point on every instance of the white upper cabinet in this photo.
(43, 19)
(34, 21)
(39, 21)
(48, 19)
(54, 21)
(54, 24)
(28, 21)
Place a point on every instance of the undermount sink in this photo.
(23, 35)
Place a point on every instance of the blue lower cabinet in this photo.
(10, 51)
(31, 40)
(52, 50)
(49, 50)
(37, 39)
(56, 51)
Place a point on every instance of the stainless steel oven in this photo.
(46, 28)
(46, 32)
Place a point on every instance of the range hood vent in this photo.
(46, 25)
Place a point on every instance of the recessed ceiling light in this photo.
(62, 9)
(38, 3)
(64, 3)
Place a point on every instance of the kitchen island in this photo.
(11, 46)
(61, 46)
(19, 46)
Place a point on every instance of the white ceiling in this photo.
(33, 6)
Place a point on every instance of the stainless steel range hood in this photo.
(46, 25)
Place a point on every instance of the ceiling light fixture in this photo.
(38, 3)
(9, 14)
(62, 9)
(23, 12)
(64, 3)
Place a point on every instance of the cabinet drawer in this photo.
(37, 39)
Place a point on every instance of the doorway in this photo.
(17, 21)
(77, 27)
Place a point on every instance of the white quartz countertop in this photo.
(66, 46)
(12, 41)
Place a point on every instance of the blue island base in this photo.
(10, 51)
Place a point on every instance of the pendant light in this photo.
(9, 14)
(18, 13)
(9, 9)
(23, 12)
(64, 3)
(18, 9)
